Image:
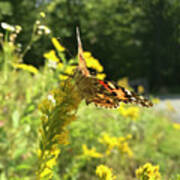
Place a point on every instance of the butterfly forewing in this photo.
(102, 93)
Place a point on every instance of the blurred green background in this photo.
(136, 41)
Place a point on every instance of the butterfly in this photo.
(102, 93)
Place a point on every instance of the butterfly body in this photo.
(102, 93)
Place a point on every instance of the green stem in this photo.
(32, 39)
(5, 56)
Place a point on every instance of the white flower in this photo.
(38, 22)
(51, 98)
(7, 27)
(39, 32)
(45, 29)
(52, 64)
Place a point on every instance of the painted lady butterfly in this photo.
(102, 93)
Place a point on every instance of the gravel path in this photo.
(171, 105)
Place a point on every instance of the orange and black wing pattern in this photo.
(102, 93)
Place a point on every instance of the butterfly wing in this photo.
(109, 95)
(124, 95)
(102, 93)
(82, 63)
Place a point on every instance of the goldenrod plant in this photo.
(119, 143)
(58, 110)
(104, 173)
(148, 172)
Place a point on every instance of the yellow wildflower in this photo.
(69, 70)
(148, 172)
(124, 148)
(60, 65)
(26, 67)
(57, 45)
(63, 77)
(46, 172)
(87, 54)
(130, 112)
(111, 142)
(140, 89)
(105, 173)
(101, 76)
(176, 126)
(116, 142)
(49, 158)
(92, 62)
(51, 163)
(156, 100)
(91, 152)
(51, 55)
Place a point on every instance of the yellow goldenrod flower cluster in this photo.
(58, 110)
(131, 112)
(94, 64)
(58, 61)
(92, 153)
(68, 70)
(51, 55)
(26, 67)
(105, 173)
(48, 164)
(101, 76)
(57, 45)
(176, 126)
(116, 142)
(148, 172)
(54, 61)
